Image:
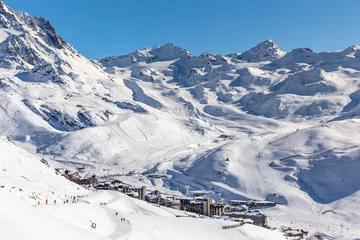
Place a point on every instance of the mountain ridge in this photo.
(263, 124)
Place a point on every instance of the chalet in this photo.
(294, 233)
(161, 199)
(257, 217)
(86, 181)
(290, 232)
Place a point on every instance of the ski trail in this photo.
(121, 228)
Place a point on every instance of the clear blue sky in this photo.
(114, 27)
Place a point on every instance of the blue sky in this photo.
(115, 27)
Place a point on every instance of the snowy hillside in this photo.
(25, 176)
(143, 221)
(262, 124)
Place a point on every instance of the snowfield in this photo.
(263, 125)
(142, 221)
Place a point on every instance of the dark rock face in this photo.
(8, 18)
(48, 32)
(29, 37)
(16, 50)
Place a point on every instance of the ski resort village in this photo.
(163, 144)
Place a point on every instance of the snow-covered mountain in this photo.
(263, 124)
(264, 51)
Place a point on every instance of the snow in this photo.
(261, 125)
(142, 221)
(26, 177)
(21, 221)
(264, 51)
(5, 33)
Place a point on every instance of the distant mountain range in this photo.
(262, 124)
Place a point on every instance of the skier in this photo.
(93, 225)
(54, 202)
(116, 213)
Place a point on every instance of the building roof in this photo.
(259, 214)
(238, 201)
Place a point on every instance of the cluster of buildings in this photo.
(202, 206)
(158, 198)
(90, 181)
(246, 211)
(84, 179)
(195, 202)
(256, 217)
(251, 204)
(116, 185)
(293, 233)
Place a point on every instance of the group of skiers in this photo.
(122, 219)
(73, 199)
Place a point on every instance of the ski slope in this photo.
(143, 221)
(263, 124)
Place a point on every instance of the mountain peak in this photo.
(267, 41)
(352, 49)
(5, 9)
(8, 17)
(3, 6)
(264, 51)
(165, 52)
(169, 45)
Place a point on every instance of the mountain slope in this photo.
(263, 124)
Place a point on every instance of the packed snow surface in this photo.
(143, 221)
